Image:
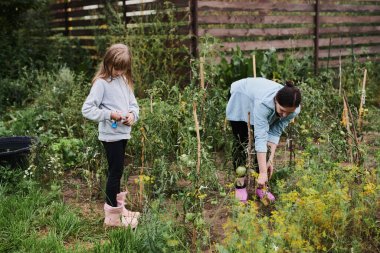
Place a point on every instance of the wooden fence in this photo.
(327, 28)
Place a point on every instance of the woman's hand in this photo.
(129, 119)
(262, 179)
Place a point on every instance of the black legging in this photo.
(115, 156)
(239, 150)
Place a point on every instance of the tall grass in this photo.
(36, 220)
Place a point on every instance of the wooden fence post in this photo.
(316, 39)
(194, 27)
(67, 31)
(124, 13)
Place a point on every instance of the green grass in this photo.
(33, 219)
(36, 220)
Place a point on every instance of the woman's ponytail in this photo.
(289, 84)
(289, 95)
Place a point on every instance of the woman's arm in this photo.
(261, 128)
(270, 163)
(278, 127)
(263, 176)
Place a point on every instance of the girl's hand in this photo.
(270, 168)
(116, 116)
(262, 179)
(129, 119)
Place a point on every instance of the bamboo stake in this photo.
(194, 240)
(291, 151)
(141, 183)
(340, 74)
(249, 149)
(362, 102)
(354, 133)
(198, 137)
(254, 65)
(194, 235)
(202, 75)
(289, 143)
(346, 122)
(151, 103)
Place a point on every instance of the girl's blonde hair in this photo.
(117, 57)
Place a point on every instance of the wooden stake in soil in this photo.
(151, 103)
(353, 134)
(201, 72)
(249, 149)
(254, 65)
(141, 182)
(194, 240)
(290, 143)
(202, 76)
(198, 137)
(362, 102)
(346, 122)
(194, 236)
(340, 74)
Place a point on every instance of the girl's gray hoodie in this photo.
(108, 96)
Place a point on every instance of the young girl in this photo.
(111, 102)
(272, 106)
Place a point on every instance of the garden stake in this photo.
(202, 76)
(289, 143)
(340, 74)
(194, 240)
(254, 65)
(194, 236)
(249, 149)
(362, 102)
(151, 103)
(354, 135)
(141, 182)
(198, 137)
(346, 122)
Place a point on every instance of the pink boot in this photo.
(121, 202)
(241, 194)
(263, 193)
(114, 218)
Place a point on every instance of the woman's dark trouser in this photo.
(115, 156)
(239, 149)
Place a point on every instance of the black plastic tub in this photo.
(15, 150)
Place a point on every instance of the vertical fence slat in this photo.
(66, 19)
(316, 39)
(194, 27)
(124, 12)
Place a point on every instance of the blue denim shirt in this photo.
(256, 95)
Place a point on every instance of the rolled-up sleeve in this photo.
(278, 127)
(91, 106)
(261, 113)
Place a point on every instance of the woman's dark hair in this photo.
(289, 95)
